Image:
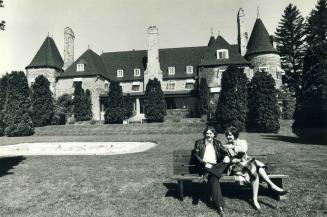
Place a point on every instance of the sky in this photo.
(120, 25)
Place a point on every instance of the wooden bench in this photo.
(185, 169)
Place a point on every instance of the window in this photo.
(137, 72)
(120, 73)
(135, 87)
(222, 54)
(189, 69)
(170, 85)
(171, 70)
(264, 68)
(189, 84)
(220, 71)
(75, 83)
(106, 86)
(80, 67)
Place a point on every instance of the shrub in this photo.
(263, 110)
(115, 112)
(204, 96)
(154, 102)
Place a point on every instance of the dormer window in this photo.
(189, 69)
(120, 73)
(171, 70)
(222, 54)
(80, 67)
(137, 72)
(264, 68)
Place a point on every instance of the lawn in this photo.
(139, 185)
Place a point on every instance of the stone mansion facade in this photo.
(176, 68)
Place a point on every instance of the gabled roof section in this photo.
(47, 56)
(127, 61)
(234, 57)
(259, 41)
(93, 66)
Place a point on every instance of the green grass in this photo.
(139, 184)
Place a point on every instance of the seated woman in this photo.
(247, 169)
(209, 154)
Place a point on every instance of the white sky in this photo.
(119, 25)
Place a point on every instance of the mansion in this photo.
(177, 69)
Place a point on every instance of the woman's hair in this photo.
(235, 132)
(211, 128)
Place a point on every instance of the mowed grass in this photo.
(140, 185)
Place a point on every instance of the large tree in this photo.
(290, 44)
(2, 23)
(115, 112)
(17, 109)
(88, 105)
(3, 99)
(204, 96)
(78, 101)
(263, 110)
(42, 102)
(232, 102)
(316, 28)
(154, 102)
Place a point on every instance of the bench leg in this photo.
(181, 189)
(279, 183)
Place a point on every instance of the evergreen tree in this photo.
(42, 102)
(232, 103)
(204, 96)
(65, 104)
(3, 98)
(88, 105)
(17, 110)
(115, 112)
(290, 44)
(2, 23)
(316, 28)
(78, 102)
(288, 103)
(310, 117)
(263, 110)
(154, 102)
(128, 106)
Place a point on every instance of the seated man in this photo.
(210, 155)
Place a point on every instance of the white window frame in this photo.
(264, 68)
(189, 69)
(222, 51)
(120, 73)
(171, 85)
(80, 67)
(137, 72)
(189, 81)
(171, 70)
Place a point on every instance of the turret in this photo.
(68, 47)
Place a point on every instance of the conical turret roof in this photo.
(211, 40)
(47, 56)
(259, 41)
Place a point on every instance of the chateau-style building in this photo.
(176, 68)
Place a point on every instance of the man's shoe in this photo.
(221, 212)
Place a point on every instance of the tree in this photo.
(263, 110)
(232, 103)
(78, 101)
(87, 105)
(290, 43)
(310, 117)
(115, 112)
(17, 118)
(316, 27)
(288, 102)
(204, 96)
(154, 102)
(2, 23)
(128, 106)
(3, 99)
(42, 102)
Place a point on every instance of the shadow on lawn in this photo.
(201, 192)
(8, 163)
(294, 139)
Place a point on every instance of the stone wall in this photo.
(270, 60)
(127, 86)
(180, 84)
(49, 73)
(95, 84)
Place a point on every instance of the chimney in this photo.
(68, 47)
(242, 37)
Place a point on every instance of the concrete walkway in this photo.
(75, 148)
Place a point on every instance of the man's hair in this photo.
(233, 130)
(211, 128)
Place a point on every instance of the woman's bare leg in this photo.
(255, 190)
(264, 175)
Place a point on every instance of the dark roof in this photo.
(259, 41)
(47, 56)
(234, 57)
(93, 66)
(126, 60)
(211, 41)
